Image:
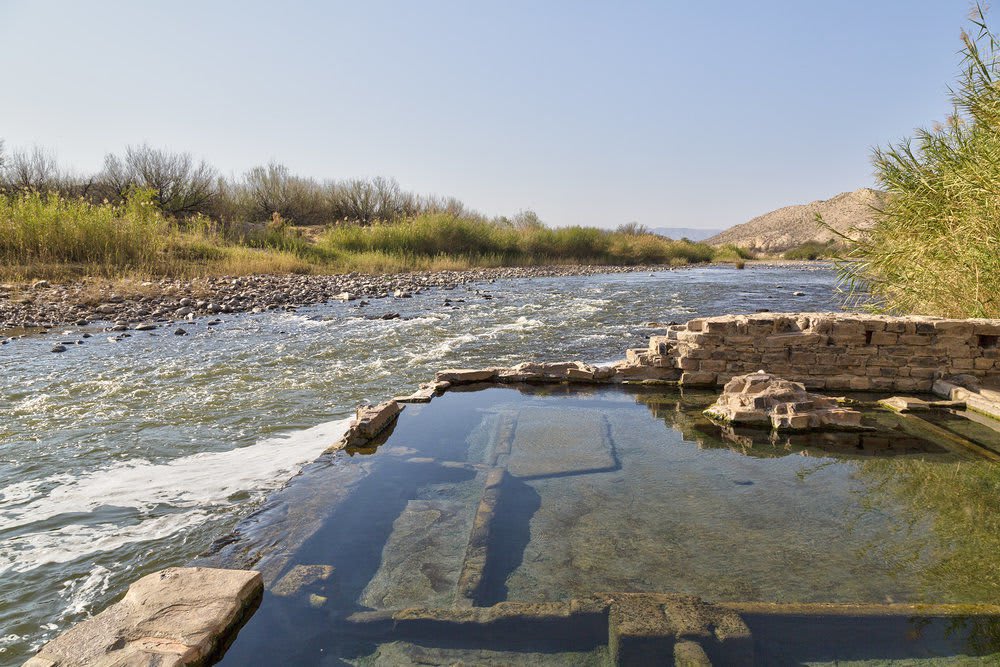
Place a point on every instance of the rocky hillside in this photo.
(791, 226)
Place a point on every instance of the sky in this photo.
(667, 113)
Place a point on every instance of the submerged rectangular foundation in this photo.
(545, 496)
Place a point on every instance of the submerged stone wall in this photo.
(831, 351)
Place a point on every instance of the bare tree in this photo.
(31, 170)
(272, 188)
(182, 185)
(634, 229)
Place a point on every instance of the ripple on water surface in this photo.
(121, 458)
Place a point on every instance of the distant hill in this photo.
(691, 233)
(791, 226)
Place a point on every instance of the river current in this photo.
(121, 458)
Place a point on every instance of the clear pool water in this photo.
(620, 490)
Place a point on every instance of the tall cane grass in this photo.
(935, 247)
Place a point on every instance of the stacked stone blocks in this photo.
(830, 351)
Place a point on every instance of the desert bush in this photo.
(633, 229)
(524, 241)
(732, 253)
(272, 189)
(180, 185)
(38, 170)
(813, 250)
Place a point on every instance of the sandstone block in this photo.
(466, 375)
(697, 379)
(861, 384)
(712, 365)
(954, 327)
(884, 338)
(370, 421)
(178, 616)
(914, 339)
(688, 364)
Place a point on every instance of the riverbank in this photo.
(131, 302)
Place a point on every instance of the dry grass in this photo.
(57, 238)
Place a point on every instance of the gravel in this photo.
(43, 305)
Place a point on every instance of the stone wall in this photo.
(826, 351)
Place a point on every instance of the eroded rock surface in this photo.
(369, 422)
(178, 616)
(763, 399)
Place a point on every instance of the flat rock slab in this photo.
(178, 616)
(302, 578)
(421, 560)
(552, 441)
(410, 654)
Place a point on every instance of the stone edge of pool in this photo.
(188, 616)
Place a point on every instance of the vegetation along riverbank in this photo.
(935, 247)
(154, 213)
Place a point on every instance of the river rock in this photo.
(466, 375)
(763, 399)
(178, 616)
(370, 421)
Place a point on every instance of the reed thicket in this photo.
(55, 236)
(935, 247)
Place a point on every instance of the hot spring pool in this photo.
(550, 494)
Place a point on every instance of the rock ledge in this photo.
(178, 616)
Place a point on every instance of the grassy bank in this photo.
(49, 236)
(935, 248)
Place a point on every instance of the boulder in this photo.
(368, 423)
(371, 421)
(178, 616)
(765, 400)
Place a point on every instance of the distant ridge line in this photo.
(790, 226)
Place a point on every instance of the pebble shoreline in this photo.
(42, 305)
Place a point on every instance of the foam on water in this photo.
(157, 444)
(167, 498)
(81, 593)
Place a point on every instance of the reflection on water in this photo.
(595, 494)
(159, 444)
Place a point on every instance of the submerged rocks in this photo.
(765, 400)
(178, 616)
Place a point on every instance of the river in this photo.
(121, 458)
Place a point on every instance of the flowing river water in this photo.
(121, 458)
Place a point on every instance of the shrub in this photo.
(935, 247)
(813, 250)
(179, 185)
(53, 229)
(732, 253)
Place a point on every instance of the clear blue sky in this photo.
(676, 113)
